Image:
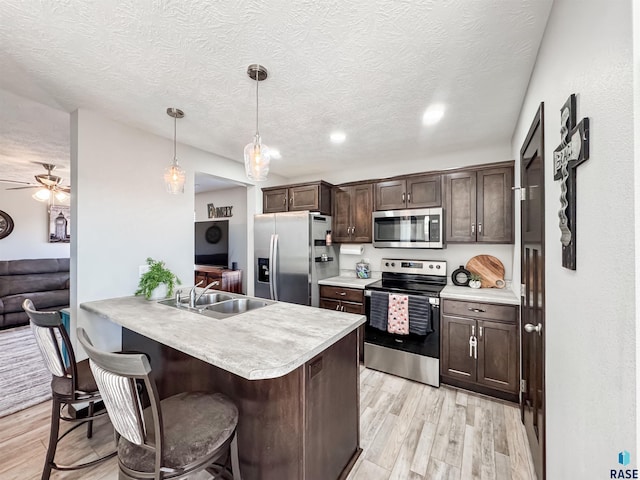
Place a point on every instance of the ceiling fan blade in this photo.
(64, 189)
(22, 188)
(4, 180)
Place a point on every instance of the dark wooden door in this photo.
(424, 191)
(460, 207)
(361, 209)
(341, 214)
(305, 197)
(391, 195)
(498, 355)
(533, 302)
(495, 205)
(457, 361)
(274, 200)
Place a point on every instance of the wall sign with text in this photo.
(218, 212)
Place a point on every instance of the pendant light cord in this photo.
(175, 121)
(257, 83)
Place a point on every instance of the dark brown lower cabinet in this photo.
(350, 300)
(480, 349)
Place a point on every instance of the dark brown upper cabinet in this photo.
(478, 205)
(352, 208)
(415, 191)
(315, 196)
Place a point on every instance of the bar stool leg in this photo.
(90, 422)
(53, 439)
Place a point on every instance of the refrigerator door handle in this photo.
(271, 268)
(275, 268)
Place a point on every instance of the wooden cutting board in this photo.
(490, 269)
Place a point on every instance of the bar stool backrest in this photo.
(116, 375)
(49, 332)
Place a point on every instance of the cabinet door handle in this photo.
(342, 308)
(473, 330)
(473, 228)
(338, 307)
(409, 197)
(215, 283)
(477, 310)
(353, 230)
(480, 329)
(480, 228)
(342, 294)
(290, 200)
(284, 201)
(403, 197)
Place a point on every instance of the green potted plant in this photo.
(158, 281)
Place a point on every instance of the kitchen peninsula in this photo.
(292, 371)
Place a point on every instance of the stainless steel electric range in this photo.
(415, 355)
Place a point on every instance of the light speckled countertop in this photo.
(489, 295)
(348, 282)
(268, 342)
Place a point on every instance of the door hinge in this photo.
(523, 194)
(522, 290)
(523, 386)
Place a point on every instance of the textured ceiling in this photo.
(368, 68)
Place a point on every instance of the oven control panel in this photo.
(419, 267)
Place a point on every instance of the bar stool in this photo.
(177, 436)
(72, 383)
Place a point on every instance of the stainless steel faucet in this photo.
(205, 290)
(192, 294)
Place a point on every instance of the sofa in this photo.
(44, 280)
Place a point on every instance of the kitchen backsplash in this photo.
(455, 255)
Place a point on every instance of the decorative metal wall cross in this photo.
(573, 151)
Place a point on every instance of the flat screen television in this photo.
(212, 243)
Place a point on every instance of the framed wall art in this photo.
(59, 224)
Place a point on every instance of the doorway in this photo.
(532, 401)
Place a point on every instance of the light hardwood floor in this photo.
(409, 431)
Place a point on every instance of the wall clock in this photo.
(213, 234)
(6, 224)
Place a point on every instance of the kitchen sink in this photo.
(210, 298)
(219, 304)
(237, 305)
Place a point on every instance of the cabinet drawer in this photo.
(506, 313)
(350, 307)
(340, 293)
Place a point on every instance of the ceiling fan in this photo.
(48, 184)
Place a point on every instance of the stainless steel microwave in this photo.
(417, 228)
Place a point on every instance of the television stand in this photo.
(230, 280)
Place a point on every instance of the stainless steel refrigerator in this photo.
(291, 255)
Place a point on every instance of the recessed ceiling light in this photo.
(433, 114)
(275, 154)
(338, 137)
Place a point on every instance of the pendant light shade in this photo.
(257, 156)
(174, 176)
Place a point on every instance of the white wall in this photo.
(237, 198)
(29, 238)
(590, 315)
(121, 213)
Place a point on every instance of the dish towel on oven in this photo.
(398, 319)
(419, 315)
(379, 310)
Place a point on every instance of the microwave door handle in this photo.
(427, 228)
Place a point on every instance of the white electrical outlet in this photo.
(142, 269)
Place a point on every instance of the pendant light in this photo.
(174, 175)
(256, 154)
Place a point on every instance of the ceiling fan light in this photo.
(61, 196)
(175, 178)
(42, 195)
(257, 159)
